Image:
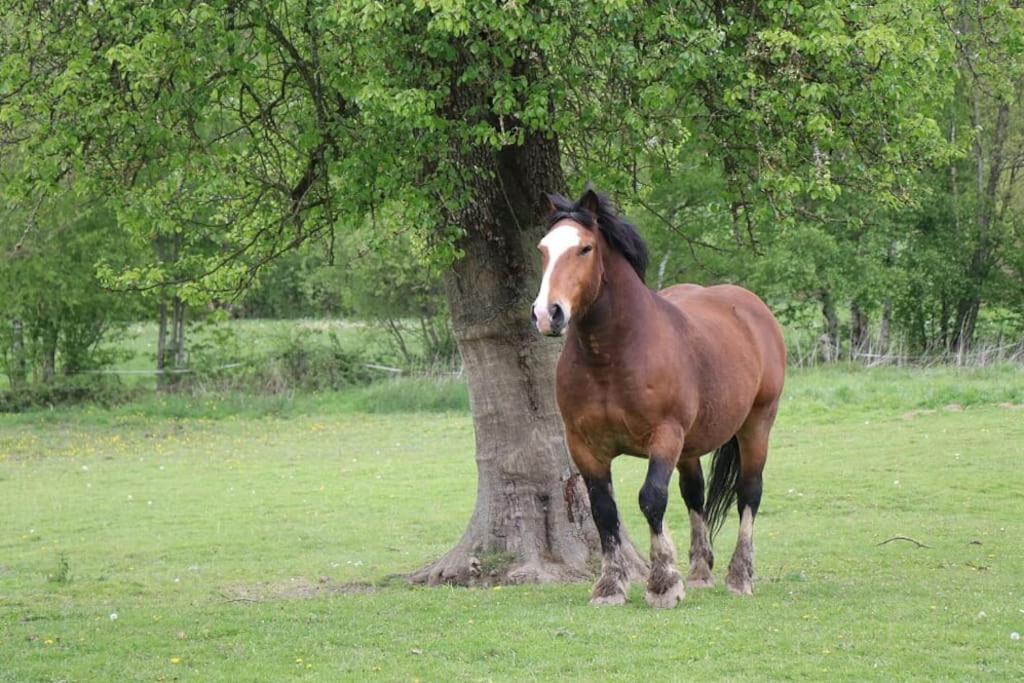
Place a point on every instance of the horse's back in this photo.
(716, 297)
(727, 315)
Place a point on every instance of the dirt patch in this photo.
(953, 408)
(294, 588)
(1012, 406)
(917, 413)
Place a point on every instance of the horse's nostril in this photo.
(557, 317)
(533, 316)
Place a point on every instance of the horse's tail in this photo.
(725, 471)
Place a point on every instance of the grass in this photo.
(222, 541)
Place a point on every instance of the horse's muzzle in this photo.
(550, 320)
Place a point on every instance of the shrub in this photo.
(100, 389)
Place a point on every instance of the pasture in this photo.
(258, 539)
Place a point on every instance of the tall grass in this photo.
(413, 395)
(817, 394)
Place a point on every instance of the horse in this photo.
(669, 376)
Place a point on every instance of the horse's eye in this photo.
(586, 250)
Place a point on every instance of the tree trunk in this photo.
(830, 340)
(885, 326)
(178, 334)
(170, 356)
(966, 321)
(19, 364)
(161, 347)
(532, 520)
(859, 330)
(49, 354)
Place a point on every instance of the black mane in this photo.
(620, 234)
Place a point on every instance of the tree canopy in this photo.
(249, 127)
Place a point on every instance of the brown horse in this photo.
(670, 376)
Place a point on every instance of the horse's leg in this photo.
(753, 443)
(664, 585)
(613, 584)
(702, 560)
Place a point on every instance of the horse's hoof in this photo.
(667, 600)
(700, 575)
(740, 577)
(700, 582)
(608, 600)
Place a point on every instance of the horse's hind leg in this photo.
(702, 560)
(753, 443)
(664, 584)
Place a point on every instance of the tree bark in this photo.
(161, 347)
(532, 520)
(178, 334)
(170, 356)
(49, 354)
(859, 330)
(884, 326)
(829, 340)
(19, 364)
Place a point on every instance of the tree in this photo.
(257, 126)
(56, 312)
(990, 50)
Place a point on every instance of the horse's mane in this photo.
(620, 234)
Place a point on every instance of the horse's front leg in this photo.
(664, 584)
(613, 585)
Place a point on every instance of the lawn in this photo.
(253, 540)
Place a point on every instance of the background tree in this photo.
(56, 312)
(243, 129)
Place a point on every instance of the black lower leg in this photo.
(748, 493)
(691, 486)
(654, 493)
(606, 514)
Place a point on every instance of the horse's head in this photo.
(571, 259)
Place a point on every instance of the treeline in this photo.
(861, 168)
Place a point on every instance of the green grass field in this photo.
(235, 539)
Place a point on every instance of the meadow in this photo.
(227, 538)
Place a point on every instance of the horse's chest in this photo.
(608, 416)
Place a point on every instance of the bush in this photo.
(297, 360)
(99, 389)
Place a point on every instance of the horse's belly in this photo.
(715, 424)
(703, 441)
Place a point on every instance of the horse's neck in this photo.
(614, 320)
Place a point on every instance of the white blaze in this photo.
(561, 239)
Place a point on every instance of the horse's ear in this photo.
(549, 202)
(590, 201)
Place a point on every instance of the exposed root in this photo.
(539, 571)
(459, 567)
